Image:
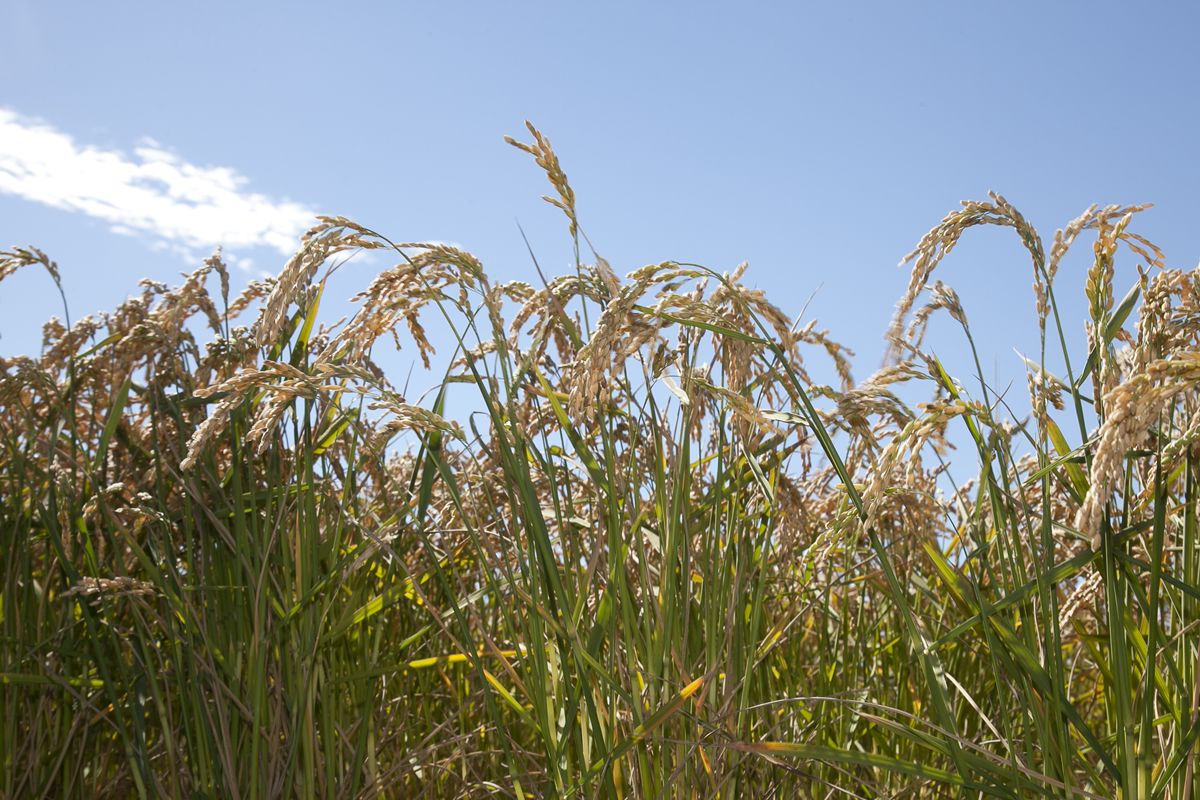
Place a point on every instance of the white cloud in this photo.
(152, 193)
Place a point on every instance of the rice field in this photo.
(661, 559)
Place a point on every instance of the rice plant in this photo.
(662, 559)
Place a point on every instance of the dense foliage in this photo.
(663, 560)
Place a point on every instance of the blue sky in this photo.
(818, 142)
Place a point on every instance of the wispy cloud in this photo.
(151, 193)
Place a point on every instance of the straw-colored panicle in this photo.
(331, 236)
(832, 520)
(904, 451)
(1111, 224)
(493, 301)
(838, 353)
(874, 398)
(111, 587)
(797, 513)
(1033, 244)
(402, 416)
(231, 391)
(115, 494)
(735, 297)
(546, 158)
(1095, 218)
(60, 344)
(1045, 392)
(942, 297)
(152, 331)
(18, 257)
(401, 293)
(472, 355)
(1159, 332)
(1082, 600)
(1106, 375)
(290, 382)
(281, 383)
(1183, 443)
(592, 367)
(1065, 236)
(217, 265)
(915, 514)
(938, 242)
(223, 352)
(178, 305)
(735, 355)
(1098, 288)
(535, 416)
(1131, 408)
(23, 381)
(608, 277)
(254, 291)
(136, 309)
(552, 322)
(517, 291)
(135, 516)
(737, 307)
(742, 307)
(751, 417)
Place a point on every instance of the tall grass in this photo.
(662, 561)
